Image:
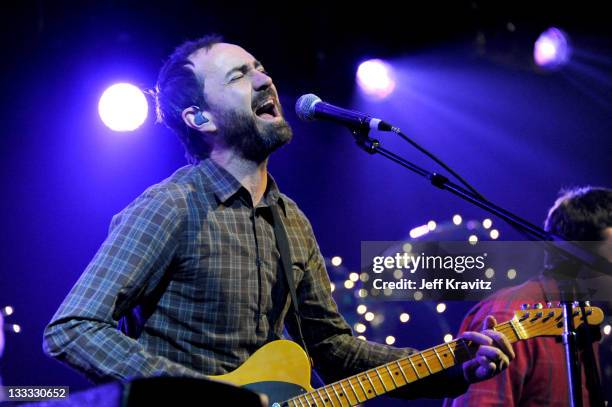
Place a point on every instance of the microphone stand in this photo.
(566, 248)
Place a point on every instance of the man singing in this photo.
(189, 280)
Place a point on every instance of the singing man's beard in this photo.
(253, 140)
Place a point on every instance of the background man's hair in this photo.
(178, 87)
(581, 214)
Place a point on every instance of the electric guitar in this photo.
(281, 370)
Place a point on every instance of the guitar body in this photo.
(279, 369)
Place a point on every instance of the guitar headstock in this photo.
(539, 321)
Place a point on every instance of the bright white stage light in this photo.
(123, 107)
(552, 49)
(375, 77)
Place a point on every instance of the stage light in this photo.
(607, 329)
(354, 277)
(348, 284)
(16, 328)
(332, 287)
(404, 317)
(419, 231)
(473, 239)
(362, 293)
(123, 107)
(375, 78)
(390, 340)
(448, 338)
(487, 223)
(369, 316)
(360, 328)
(431, 225)
(441, 307)
(363, 338)
(8, 310)
(511, 274)
(494, 234)
(336, 261)
(489, 273)
(552, 49)
(361, 309)
(457, 219)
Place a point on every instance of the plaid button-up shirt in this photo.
(188, 282)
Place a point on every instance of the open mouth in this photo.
(267, 110)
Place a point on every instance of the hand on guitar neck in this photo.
(494, 353)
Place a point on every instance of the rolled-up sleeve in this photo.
(84, 333)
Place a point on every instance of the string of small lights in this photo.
(385, 321)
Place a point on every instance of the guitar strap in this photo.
(285, 254)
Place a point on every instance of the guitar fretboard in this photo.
(394, 375)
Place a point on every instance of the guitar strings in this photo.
(428, 355)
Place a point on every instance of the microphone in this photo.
(310, 107)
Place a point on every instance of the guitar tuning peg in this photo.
(575, 304)
(587, 303)
(549, 304)
(537, 306)
(525, 306)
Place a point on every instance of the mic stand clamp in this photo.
(364, 141)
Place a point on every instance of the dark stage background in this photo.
(467, 89)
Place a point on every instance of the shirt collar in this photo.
(224, 185)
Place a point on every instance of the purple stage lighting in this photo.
(375, 77)
(552, 49)
(123, 107)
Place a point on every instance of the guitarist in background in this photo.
(538, 376)
(189, 282)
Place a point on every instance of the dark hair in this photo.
(581, 214)
(178, 87)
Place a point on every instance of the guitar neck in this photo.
(394, 375)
